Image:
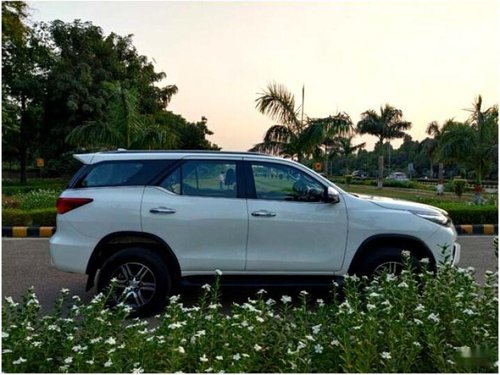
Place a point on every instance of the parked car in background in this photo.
(150, 221)
(359, 175)
(397, 176)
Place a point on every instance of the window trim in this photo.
(250, 181)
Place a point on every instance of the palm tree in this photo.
(281, 139)
(123, 127)
(294, 137)
(386, 126)
(473, 143)
(345, 148)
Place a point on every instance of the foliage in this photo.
(348, 179)
(443, 322)
(38, 199)
(471, 214)
(10, 188)
(294, 137)
(459, 186)
(18, 217)
(473, 143)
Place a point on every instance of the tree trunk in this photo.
(380, 180)
(23, 148)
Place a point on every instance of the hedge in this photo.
(16, 217)
(473, 214)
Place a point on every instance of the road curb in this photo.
(487, 229)
(28, 232)
(34, 232)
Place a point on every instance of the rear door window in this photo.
(122, 173)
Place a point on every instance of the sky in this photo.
(428, 58)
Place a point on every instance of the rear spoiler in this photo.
(84, 158)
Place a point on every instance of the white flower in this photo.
(19, 361)
(316, 329)
(262, 291)
(310, 338)
(286, 299)
(64, 368)
(218, 272)
(90, 362)
(68, 360)
(96, 340)
(219, 358)
(204, 358)
(270, 302)
(53, 327)
(465, 352)
(318, 349)
(419, 307)
(236, 357)
(385, 355)
(109, 363)
(403, 285)
(369, 306)
(320, 302)
(301, 345)
(335, 342)
(110, 341)
(210, 369)
(405, 253)
(469, 312)
(433, 317)
(5, 335)
(418, 322)
(6, 351)
(257, 347)
(64, 290)
(138, 370)
(206, 287)
(373, 294)
(450, 362)
(11, 302)
(417, 344)
(303, 293)
(425, 260)
(260, 319)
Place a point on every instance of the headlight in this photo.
(434, 216)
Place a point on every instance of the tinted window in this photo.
(281, 182)
(122, 173)
(203, 178)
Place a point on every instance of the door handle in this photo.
(162, 210)
(263, 213)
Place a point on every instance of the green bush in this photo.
(427, 323)
(459, 186)
(348, 179)
(472, 214)
(43, 216)
(17, 217)
(38, 199)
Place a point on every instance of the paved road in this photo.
(26, 262)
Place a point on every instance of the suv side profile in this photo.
(152, 220)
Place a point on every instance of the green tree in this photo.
(25, 64)
(294, 136)
(283, 138)
(387, 125)
(473, 143)
(345, 148)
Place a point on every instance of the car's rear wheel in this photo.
(140, 279)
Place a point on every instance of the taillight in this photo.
(64, 205)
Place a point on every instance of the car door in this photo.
(291, 228)
(199, 210)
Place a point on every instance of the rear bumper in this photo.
(69, 250)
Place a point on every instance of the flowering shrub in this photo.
(38, 199)
(413, 323)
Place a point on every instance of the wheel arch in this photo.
(413, 244)
(114, 242)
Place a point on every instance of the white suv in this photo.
(153, 220)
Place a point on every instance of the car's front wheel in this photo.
(384, 260)
(140, 279)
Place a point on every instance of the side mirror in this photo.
(331, 195)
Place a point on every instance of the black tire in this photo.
(384, 259)
(144, 280)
